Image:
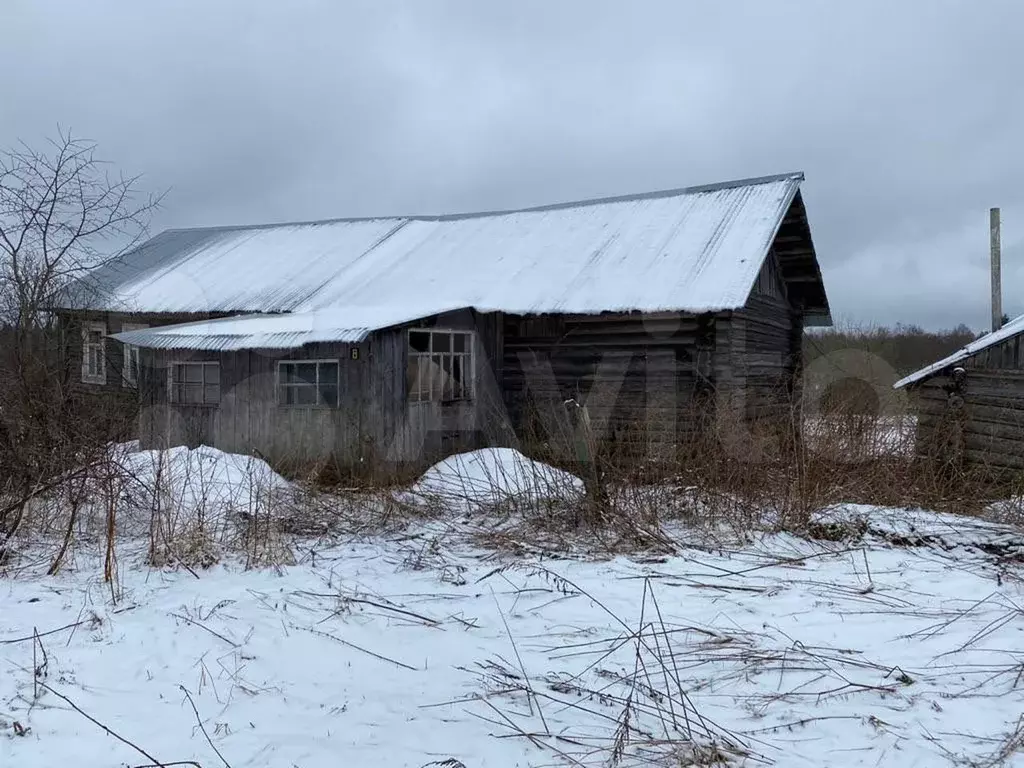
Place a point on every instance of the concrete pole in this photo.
(997, 290)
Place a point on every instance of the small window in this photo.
(94, 358)
(130, 366)
(311, 383)
(195, 383)
(440, 366)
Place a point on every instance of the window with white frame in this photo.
(130, 366)
(308, 383)
(440, 365)
(195, 383)
(94, 358)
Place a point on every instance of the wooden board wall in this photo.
(374, 426)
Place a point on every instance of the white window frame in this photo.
(88, 376)
(172, 383)
(128, 380)
(468, 357)
(281, 385)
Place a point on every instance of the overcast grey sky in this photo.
(907, 117)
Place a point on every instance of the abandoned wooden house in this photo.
(970, 405)
(402, 339)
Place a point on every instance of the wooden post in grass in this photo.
(586, 455)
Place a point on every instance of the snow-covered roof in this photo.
(282, 331)
(697, 249)
(1009, 330)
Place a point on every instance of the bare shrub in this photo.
(770, 465)
(61, 214)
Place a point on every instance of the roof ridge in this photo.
(796, 176)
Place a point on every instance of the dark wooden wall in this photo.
(112, 399)
(655, 373)
(989, 432)
(767, 343)
(632, 371)
(71, 325)
(653, 376)
(374, 428)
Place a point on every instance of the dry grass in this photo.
(726, 481)
(647, 714)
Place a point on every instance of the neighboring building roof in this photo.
(1011, 329)
(697, 249)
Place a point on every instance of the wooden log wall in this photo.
(637, 374)
(991, 434)
(764, 348)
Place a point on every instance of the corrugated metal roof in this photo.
(1011, 329)
(284, 331)
(693, 250)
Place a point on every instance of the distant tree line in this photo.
(906, 348)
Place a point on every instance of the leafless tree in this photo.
(62, 213)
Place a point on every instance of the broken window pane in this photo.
(448, 392)
(419, 341)
(442, 374)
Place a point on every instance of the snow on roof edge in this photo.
(290, 330)
(1011, 329)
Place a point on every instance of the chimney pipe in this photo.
(997, 289)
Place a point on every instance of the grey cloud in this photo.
(906, 117)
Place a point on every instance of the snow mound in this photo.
(196, 485)
(492, 475)
(919, 528)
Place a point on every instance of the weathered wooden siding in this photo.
(989, 432)
(112, 396)
(375, 426)
(649, 376)
(758, 351)
(114, 322)
(248, 417)
(770, 354)
(767, 334)
(633, 372)
(416, 432)
(657, 373)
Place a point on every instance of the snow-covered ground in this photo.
(898, 644)
(858, 438)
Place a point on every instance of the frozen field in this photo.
(901, 646)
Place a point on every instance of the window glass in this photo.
(193, 373)
(308, 383)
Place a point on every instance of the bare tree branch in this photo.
(62, 214)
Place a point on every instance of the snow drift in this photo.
(491, 476)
